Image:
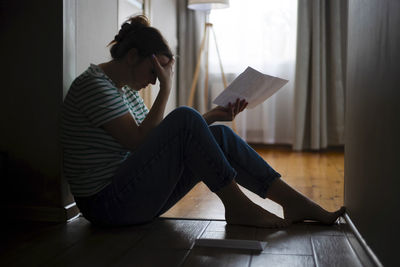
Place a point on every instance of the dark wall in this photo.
(372, 152)
(30, 102)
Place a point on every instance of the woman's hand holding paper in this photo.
(225, 113)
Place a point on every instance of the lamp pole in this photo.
(206, 5)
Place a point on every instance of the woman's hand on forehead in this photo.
(163, 68)
(163, 60)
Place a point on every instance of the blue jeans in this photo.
(179, 153)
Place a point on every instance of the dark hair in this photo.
(137, 33)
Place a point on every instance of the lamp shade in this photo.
(207, 4)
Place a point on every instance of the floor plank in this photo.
(170, 243)
(276, 260)
(333, 251)
(217, 257)
(101, 248)
(173, 234)
(294, 240)
(359, 250)
(13, 234)
(327, 230)
(44, 245)
(152, 257)
(163, 241)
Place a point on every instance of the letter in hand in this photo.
(229, 113)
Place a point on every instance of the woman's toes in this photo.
(338, 213)
(313, 212)
(335, 215)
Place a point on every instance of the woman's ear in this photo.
(132, 57)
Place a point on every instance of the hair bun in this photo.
(139, 21)
(137, 33)
(132, 24)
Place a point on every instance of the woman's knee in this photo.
(220, 129)
(185, 112)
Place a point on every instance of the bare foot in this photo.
(240, 210)
(298, 207)
(254, 215)
(311, 211)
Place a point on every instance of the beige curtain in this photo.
(190, 30)
(320, 74)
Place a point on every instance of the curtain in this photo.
(190, 31)
(320, 74)
(260, 34)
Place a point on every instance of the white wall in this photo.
(69, 44)
(163, 17)
(128, 8)
(89, 25)
(92, 24)
(97, 24)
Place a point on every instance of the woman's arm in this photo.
(225, 114)
(125, 129)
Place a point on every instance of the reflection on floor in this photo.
(169, 242)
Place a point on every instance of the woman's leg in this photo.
(151, 175)
(239, 209)
(257, 176)
(253, 172)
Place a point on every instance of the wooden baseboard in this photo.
(361, 241)
(40, 214)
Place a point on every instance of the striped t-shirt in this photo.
(91, 155)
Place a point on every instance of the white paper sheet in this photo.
(251, 85)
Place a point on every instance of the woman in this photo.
(127, 165)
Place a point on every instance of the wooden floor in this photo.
(319, 176)
(169, 242)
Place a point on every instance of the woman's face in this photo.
(143, 72)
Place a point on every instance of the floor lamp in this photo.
(206, 6)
